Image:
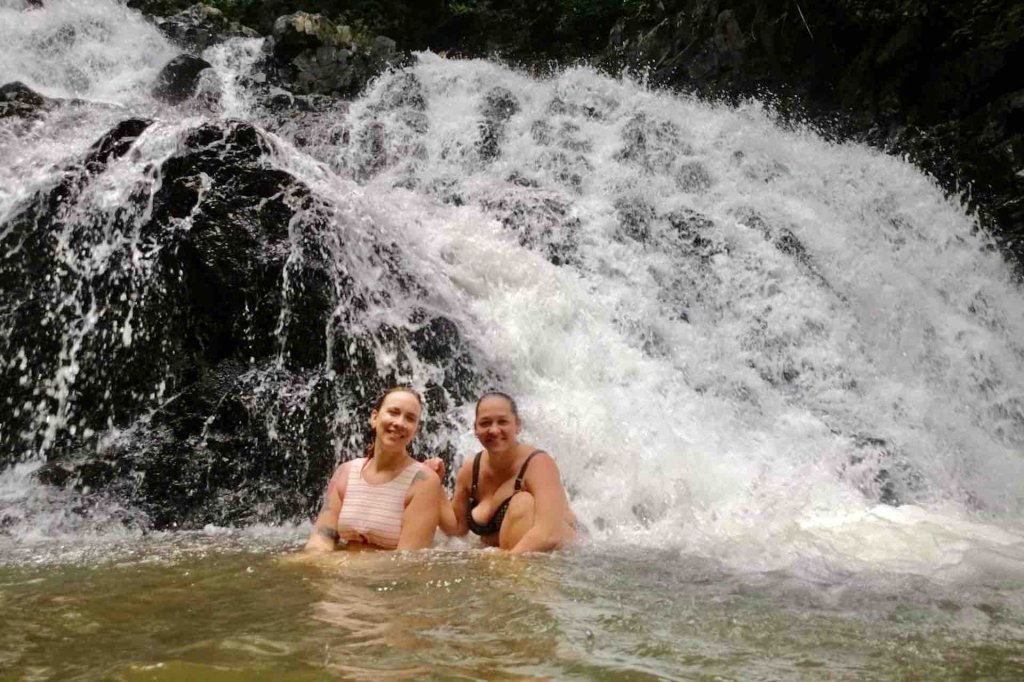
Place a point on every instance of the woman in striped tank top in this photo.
(386, 499)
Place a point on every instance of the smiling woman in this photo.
(386, 499)
(510, 493)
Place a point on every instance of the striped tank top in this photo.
(373, 513)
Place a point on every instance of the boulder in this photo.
(308, 53)
(201, 26)
(498, 107)
(19, 100)
(541, 220)
(180, 79)
(234, 345)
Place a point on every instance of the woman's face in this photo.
(396, 421)
(496, 425)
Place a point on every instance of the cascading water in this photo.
(739, 341)
(781, 376)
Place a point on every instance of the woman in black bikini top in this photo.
(494, 525)
(534, 513)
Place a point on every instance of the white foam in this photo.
(847, 328)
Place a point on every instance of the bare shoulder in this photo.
(426, 481)
(425, 488)
(339, 479)
(425, 473)
(544, 459)
(542, 465)
(342, 469)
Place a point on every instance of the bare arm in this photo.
(551, 506)
(453, 513)
(419, 521)
(324, 537)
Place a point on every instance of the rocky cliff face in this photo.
(194, 347)
(204, 342)
(939, 82)
(936, 81)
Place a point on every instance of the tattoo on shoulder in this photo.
(420, 476)
(327, 532)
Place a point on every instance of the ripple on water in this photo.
(219, 606)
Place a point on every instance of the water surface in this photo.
(225, 607)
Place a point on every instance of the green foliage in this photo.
(462, 8)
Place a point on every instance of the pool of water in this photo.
(222, 606)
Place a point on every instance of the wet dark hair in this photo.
(371, 436)
(500, 394)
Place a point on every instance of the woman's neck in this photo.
(504, 464)
(386, 459)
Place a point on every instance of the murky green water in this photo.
(215, 609)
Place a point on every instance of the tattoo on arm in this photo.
(420, 476)
(327, 532)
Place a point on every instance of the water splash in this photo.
(721, 328)
(98, 51)
(735, 338)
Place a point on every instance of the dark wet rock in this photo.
(236, 351)
(693, 230)
(499, 105)
(517, 178)
(593, 105)
(933, 82)
(372, 148)
(241, 467)
(542, 220)
(201, 26)
(308, 53)
(881, 472)
(179, 79)
(653, 145)
(297, 33)
(404, 91)
(83, 474)
(542, 132)
(566, 137)
(567, 169)
(114, 144)
(383, 49)
(35, 309)
(19, 100)
(783, 239)
(448, 190)
(379, 147)
(635, 217)
(569, 139)
(693, 177)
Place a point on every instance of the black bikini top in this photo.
(494, 525)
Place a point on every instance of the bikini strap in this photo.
(522, 470)
(476, 476)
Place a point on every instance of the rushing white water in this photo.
(734, 338)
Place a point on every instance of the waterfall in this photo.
(736, 338)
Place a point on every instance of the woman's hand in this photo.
(436, 464)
